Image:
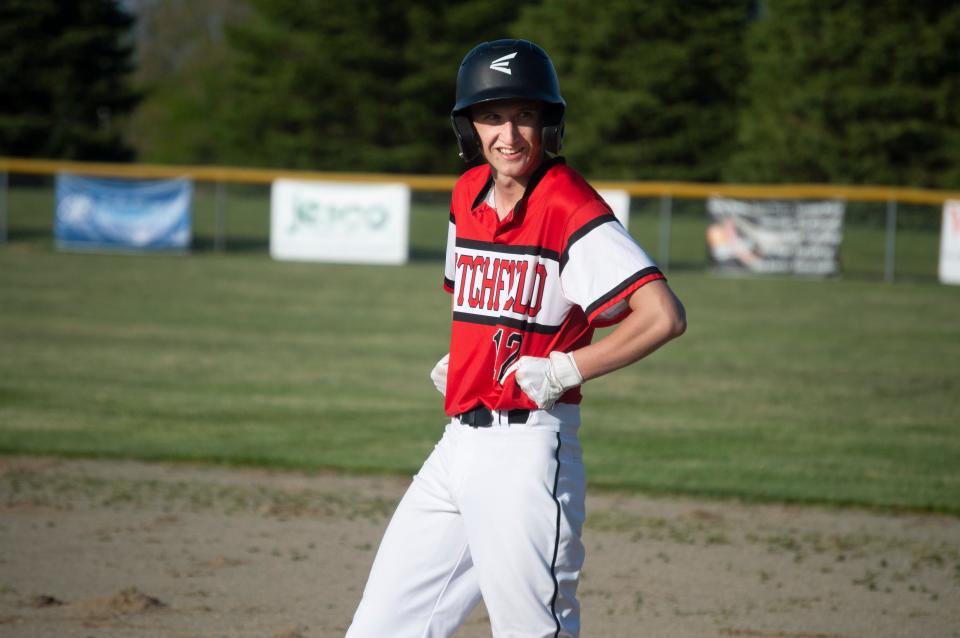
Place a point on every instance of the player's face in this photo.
(509, 132)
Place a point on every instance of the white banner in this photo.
(950, 243)
(619, 201)
(339, 222)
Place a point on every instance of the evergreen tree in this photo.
(182, 55)
(439, 35)
(852, 92)
(352, 86)
(64, 79)
(651, 87)
(310, 82)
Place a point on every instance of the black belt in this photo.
(482, 417)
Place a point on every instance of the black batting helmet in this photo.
(505, 69)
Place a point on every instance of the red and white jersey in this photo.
(542, 279)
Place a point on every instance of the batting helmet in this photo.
(505, 69)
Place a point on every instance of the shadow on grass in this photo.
(31, 235)
(686, 266)
(426, 254)
(860, 274)
(204, 244)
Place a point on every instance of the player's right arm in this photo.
(656, 317)
(616, 283)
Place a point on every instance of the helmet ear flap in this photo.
(551, 135)
(552, 138)
(466, 137)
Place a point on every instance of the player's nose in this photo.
(510, 132)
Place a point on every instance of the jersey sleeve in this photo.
(601, 266)
(449, 270)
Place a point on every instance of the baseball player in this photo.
(535, 262)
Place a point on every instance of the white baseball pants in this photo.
(494, 513)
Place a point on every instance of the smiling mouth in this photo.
(513, 153)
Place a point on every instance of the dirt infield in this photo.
(102, 549)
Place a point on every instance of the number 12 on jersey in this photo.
(507, 351)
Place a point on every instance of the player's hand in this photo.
(439, 374)
(545, 379)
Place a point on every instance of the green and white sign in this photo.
(339, 222)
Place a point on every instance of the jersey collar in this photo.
(538, 175)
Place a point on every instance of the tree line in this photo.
(708, 90)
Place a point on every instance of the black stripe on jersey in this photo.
(489, 246)
(556, 543)
(538, 174)
(518, 324)
(581, 232)
(453, 220)
(448, 283)
(482, 195)
(626, 283)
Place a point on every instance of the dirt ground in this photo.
(104, 549)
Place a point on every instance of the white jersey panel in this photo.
(599, 262)
(493, 284)
(449, 267)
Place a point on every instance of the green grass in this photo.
(839, 391)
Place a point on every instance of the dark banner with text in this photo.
(775, 237)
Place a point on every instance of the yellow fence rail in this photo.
(443, 183)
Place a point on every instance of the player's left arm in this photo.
(656, 317)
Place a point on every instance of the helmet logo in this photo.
(503, 64)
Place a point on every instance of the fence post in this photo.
(890, 254)
(219, 212)
(3, 207)
(666, 210)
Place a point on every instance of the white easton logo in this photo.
(503, 64)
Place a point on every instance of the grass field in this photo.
(836, 391)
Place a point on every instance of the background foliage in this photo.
(852, 92)
(64, 79)
(651, 87)
(748, 90)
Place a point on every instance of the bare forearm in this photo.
(657, 317)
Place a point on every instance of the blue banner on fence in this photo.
(121, 214)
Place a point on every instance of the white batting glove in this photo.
(545, 379)
(439, 374)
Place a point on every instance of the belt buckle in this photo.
(518, 417)
(479, 417)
